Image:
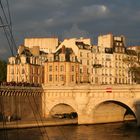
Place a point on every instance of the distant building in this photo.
(26, 67)
(73, 61)
(109, 65)
(135, 48)
(61, 68)
(82, 49)
(44, 44)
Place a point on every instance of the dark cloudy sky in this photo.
(73, 18)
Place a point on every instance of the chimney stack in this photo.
(63, 49)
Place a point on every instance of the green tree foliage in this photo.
(3, 70)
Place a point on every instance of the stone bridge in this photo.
(93, 104)
(20, 102)
(20, 91)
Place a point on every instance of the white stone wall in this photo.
(85, 100)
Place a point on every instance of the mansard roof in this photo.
(26, 52)
(66, 51)
(131, 52)
(82, 45)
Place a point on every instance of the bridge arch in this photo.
(62, 111)
(63, 108)
(113, 110)
(67, 102)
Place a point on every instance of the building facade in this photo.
(62, 68)
(25, 67)
(74, 61)
(109, 65)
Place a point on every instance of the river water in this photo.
(113, 131)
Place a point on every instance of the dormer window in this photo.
(72, 58)
(13, 62)
(50, 59)
(116, 49)
(62, 57)
(57, 58)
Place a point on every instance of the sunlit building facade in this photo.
(74, 61)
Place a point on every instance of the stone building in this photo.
(109, 65)
(61, 68)
(82, 49)
(26, 66)
(72, 61)
(44, 44)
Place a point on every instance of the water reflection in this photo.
(115, 131)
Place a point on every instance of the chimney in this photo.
(63, 49)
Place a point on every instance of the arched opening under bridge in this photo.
(112, 111)
(64, 112)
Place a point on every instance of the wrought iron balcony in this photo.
(97, 65)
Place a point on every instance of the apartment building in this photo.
(82, 49)
(73, 61)
(61, 68)
(26, 67)
(109, 66)
(45, 44)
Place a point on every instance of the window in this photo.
(38, 71)
(73, 59)
(33, 70)
(61, 68)
(56, 78)
(81, 54)
(72, 68)
(12, 62)
(95, 71)
(87, 71)
(51, 59)
(72, 78)
(87, 62)
(50, 68)
(96, 80)
(105, 64)
(80, 70)
(62, 58)
(22, 71)
(50, 77)
(105, 80)
(56, 68)
(61, 77)
(12, 71)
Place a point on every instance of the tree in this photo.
(3, 70)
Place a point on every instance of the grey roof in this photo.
(131, 52)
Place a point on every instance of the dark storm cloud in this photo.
(70, 18)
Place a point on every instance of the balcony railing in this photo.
(97, 65)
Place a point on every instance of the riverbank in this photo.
(110, 131)
(31, 123)
(43, 123)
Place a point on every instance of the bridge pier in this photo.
(137, 107)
